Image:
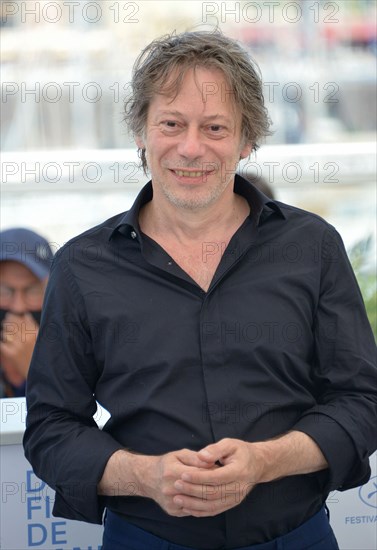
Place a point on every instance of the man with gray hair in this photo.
(223, 331)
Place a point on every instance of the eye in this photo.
(216, 131)
(169, 126)
(215, 128)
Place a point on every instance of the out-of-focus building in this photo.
(66, 64)
(65, 68)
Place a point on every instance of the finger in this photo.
(10, 330)
(219, 476)
(204, 491)
(217, 451)
(29, 320)
(7, 347)
(191, 458)
(200, 508)
(233, 492)
(204, 513)
(3, 351)
(226, 497)
(14, 317)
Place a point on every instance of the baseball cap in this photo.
(27, 247)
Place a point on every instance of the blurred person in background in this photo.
(24, 266)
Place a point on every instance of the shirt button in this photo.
(133, 234)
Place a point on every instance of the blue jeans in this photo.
(314, 534)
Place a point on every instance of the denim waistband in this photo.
(313, 530)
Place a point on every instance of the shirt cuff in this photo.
(346, 468)
(79, 500)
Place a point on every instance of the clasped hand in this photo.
(19, 333)
(208, 482)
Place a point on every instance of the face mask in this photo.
(36, 315)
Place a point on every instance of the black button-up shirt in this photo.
(280, 341)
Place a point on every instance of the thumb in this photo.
(28, 317)
(216, 451)
(192, 458)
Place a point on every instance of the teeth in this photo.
(189, 174)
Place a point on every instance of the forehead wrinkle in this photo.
(176, 113)
(171, 88)
(218, 78)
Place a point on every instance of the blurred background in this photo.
(68, 163)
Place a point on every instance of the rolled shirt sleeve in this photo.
(62, 441)
(343, 422)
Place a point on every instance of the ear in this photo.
(139, 142)
(246, 150)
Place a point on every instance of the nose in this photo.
(18, 302)
(191, 144)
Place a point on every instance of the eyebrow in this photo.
(216, 116)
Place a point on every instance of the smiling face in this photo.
(193, 142)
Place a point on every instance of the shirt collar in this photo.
(261, 206)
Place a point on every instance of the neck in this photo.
(161, 218)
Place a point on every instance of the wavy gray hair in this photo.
(175, 54)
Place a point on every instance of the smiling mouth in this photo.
(190, 174)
